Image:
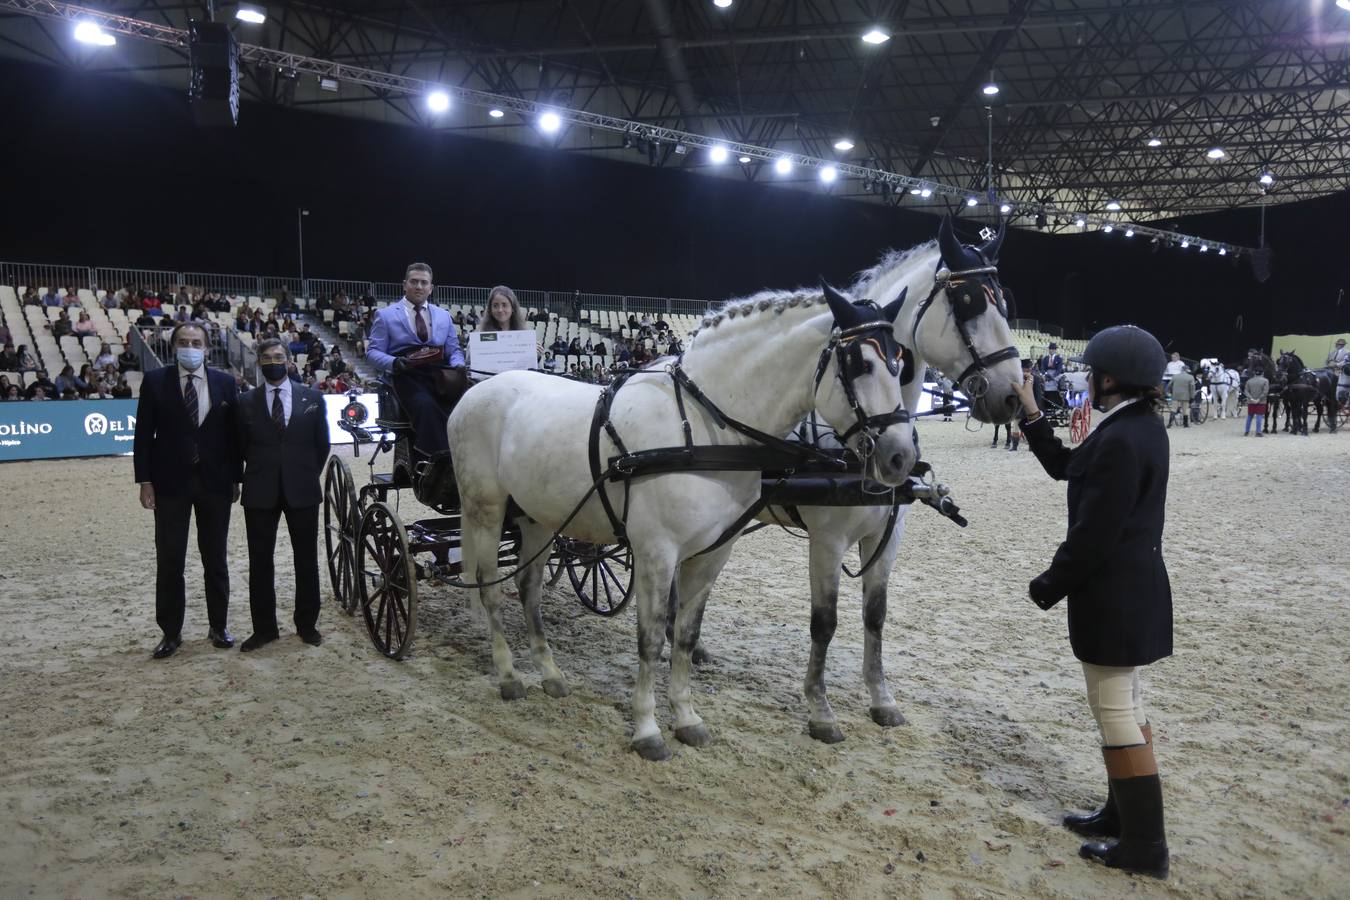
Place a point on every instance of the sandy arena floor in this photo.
(334, 772)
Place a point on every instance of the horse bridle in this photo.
(845, 347)
(981, 289)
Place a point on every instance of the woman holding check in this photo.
(1110, 567)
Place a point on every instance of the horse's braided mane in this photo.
(890, 261)
(745, 307)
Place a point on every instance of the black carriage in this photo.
(375, 560)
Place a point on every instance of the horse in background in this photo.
(1304, 386)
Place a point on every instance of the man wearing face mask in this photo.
(415, 343)
(187, 463)
(283, 438)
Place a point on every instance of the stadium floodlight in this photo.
(1113, 206)
(971, 201)
(914, 191)
(1109, 228)
(828, 174)
(1267, 178)
(745, 160)
(1185, 242)
(550, 122)
(717, 154)
(1204, 248)
(722, 4)
(1129, 232)
(89, 33)
(1216, 153)
(1155, 142)
(990, 90)
(782, 165)
(843, 144)
(1080, 221)
(438, 101)
(1343, 4)
(925, 191)
(1005, 209)
(1223, 251)
(496, 113)
(253, 15)
(876, 36)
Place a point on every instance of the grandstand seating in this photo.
(31, 326)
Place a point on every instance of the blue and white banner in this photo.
(56, 428)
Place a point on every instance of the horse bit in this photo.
(969, 302)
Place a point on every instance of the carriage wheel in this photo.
(340, 520)
(554, 569)
(601, 575)
(387, 577)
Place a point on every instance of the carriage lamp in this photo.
(355, 412)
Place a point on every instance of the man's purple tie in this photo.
(278, 412)
(193, 410)
(422, 333)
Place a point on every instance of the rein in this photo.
(944, 280)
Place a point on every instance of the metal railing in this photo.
(230, 285)
(43, 276)
(113, 279)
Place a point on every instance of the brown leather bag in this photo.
(425, 356)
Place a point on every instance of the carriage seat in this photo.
(390, 416)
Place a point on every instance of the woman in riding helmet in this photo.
(1110, 567)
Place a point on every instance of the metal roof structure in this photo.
(1099, 101)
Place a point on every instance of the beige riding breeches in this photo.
(1117, 702)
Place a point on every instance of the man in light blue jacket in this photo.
(415, 343)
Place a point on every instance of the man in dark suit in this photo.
(283, 437)
(187, 462)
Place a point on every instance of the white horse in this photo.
(524, 436)
(971, 342)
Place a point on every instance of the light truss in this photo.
(1041, 180)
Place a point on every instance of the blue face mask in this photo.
(191, 358)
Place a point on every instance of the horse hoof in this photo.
(513, 690)
(694, 735)
(652, 749)
(555, 687)
(701, 655)
(825, 732)
(887, 716)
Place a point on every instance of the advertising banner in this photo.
(56, 428)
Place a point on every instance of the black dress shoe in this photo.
(168, 647)
(313, 638)
(220, 639)
(255, 641)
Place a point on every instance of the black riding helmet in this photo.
(1127, 353)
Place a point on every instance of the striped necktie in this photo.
(278, 412)
(422, 334)
(190, 400)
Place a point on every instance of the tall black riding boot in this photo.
(1105, 822)
(1137, 791)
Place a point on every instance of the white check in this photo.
(502, 351)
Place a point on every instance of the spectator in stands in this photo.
(122, 390)
(40, 383)
(624, 354)
(550, 363)
(675, 348)
(574, 348)
(65, 381)
(151, 304)
(85, 325)
(335, 364)
(27, 362)
(559, 346)
(110, 301)
(129, 299)
(600, 349)
(86, 381)
(72, 298)
(285, 302)
(40, 393)
(9, 358)
(61, 327)
(31, 298)
(145, 320)
(51, 298)
(5, 385)
(342, 307)
(5, 337)
(297, 346)
(182, 314)
(459, 320)
(105, 357)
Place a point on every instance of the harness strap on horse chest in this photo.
(601, 419)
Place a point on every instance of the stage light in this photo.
(1005, 209)
(438, 101)
(89, 33)
(1223, 251)
(1266, 177)
(914, 191)
(253, 15)
(782, 165)
(971, 201)
(745, 160)
(718, 154)
(550, 122)
(1080, 222)
(1204, 248)
(876, 36)
(925, 191)
(1154, 142)
(1129, 232)
(1113, 205)
(496, 113)
(1215, 153)
(828, 174)
(722, 4)
(1343, 4)
(1109, 228)
(990, 90)
(843, 144)
(1185, 243)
